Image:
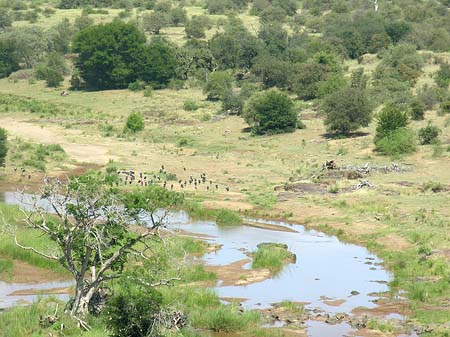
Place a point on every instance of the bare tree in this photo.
(90, 229)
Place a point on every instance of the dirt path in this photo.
(83, 153)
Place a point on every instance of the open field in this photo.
(397, 207)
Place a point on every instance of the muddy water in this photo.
(326, 268)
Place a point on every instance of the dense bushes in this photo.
(270, 112)
(398, 142)
(3, 146)
(133, 311)
(113, 55)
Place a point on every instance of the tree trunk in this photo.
(82, 298)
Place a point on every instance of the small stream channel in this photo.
(326, 268)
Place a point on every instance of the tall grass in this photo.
(225, 318)
(221, 216)
(24, 322)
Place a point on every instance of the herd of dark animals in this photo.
(131, 177)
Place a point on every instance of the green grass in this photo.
(36, 156)
(225, 318)
(42, 108)
(293, 307)
(27, 237)
(6, 266)
(271, 256)
(197, 273)
(222, 216)
(24, 322)
(228, 217)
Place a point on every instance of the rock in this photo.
(354, 292)
(331, 320)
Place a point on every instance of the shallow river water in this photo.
(326, 268)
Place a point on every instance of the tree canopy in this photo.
(111, 56)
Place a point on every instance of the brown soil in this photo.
(270, 227)
(54, 291)
(394, 243)
(234, 274)
(384, 307)
(26, 273)
(334, 303)
(83, 153)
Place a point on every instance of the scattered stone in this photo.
(354, 293)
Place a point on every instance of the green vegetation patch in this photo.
(16, 103)
(36, 156)
(272, 256)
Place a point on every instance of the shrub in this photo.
(133, 312)
(3, 146)
(136, 86)
(270, 112)
(417, 110)
(218, 85)
(228, 217)
(148, 92)
(347, 110)
(135, 122)
(190, 105)
(390, 119)
(429, 134)
(445, 107)
(396, 143)
(54, 78)
(431, 95)
(443, 75)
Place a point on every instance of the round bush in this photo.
(135, 122)
(429, 134)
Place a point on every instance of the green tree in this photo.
(346, 110)
(9, 59)
(155, 21)
(275, 38)
(109, 54)
(114, 55)
(31, 44)
(158, 63)
(89, 206)
(270, 112)
(397, 30)
(235, 47)
(3, 146)
(218, 85)
(195, 28)
(135, 122)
